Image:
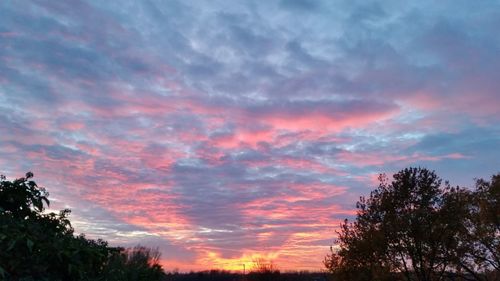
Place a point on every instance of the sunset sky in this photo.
(227, 131)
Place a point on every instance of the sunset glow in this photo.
(226, 132)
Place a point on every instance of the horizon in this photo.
(232, 131)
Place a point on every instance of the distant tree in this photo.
(402, 231)
(263, 265)
(35, 245)
(263, 270)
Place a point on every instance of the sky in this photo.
(223, 132)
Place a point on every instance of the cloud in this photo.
(223, 131)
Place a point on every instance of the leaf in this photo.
(46, 201)
(11, 245)
(38, 204)
(30, 244)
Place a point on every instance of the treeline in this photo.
(253, 275)
(416, 227)
(42, 246)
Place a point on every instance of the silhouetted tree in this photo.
(35, 245)
(477, 244)
(487, 224)
(135, 264)
(403, 226)
(263, 270)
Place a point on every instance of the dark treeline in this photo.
(261, 270)
(416, 227)
(222, 275)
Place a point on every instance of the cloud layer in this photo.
(227, 131)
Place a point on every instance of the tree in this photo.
(135, 264)
(41, 246)
(22, 198)
(355, 256)
(264, 270)
(487, 224)
(402, 227)
(35, 245)
(477, 250)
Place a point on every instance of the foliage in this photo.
(42, 246)
(477, 250)
(135, 264)
(486, 219)
(419, 228)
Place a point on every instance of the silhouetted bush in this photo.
(42, 246)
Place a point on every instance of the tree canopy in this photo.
(417, 227)
(36, 245)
